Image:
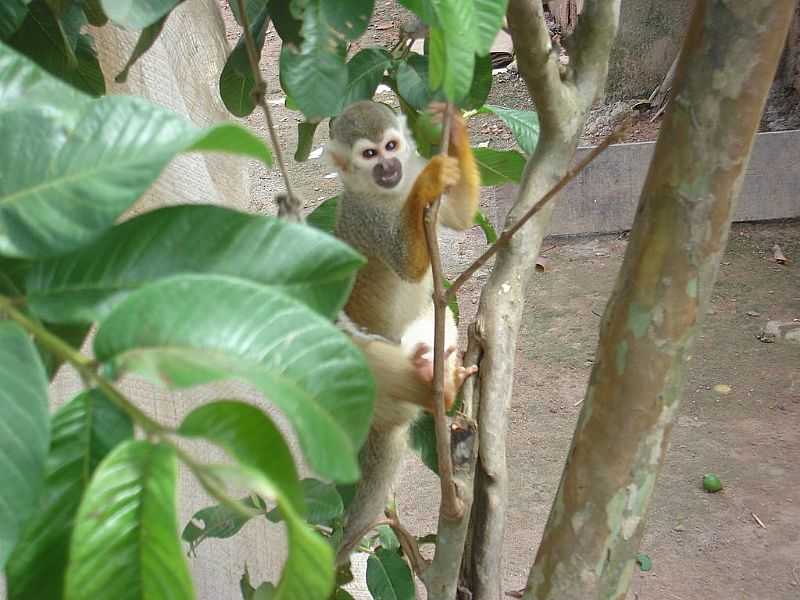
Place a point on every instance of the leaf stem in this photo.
(451, 507)
(259, 95)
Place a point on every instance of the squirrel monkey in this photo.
(387, 187)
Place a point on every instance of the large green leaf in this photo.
(305, 139)
(251, 437)
(364, 73)
(84, 431)
(422, 439)
(192, 329)
(24, 432)
(524, 124)
(125, 543)
(498, 167)
(286, 21)
(308, 571)
(389, 577)
(452, 63)
(12, 14)
(83, 286)
(423, 9)
(137, 14)
(253, 8)
(24, 84)
(71, 173)
(488, 20)
(315, 75)
(481, 84)
(58, 47)
(236, 81)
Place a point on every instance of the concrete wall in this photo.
(603, 198)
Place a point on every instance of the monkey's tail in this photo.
(379, 459)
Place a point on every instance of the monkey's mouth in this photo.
(388, 180)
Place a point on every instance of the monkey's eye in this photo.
(369, 153)
(391, 145)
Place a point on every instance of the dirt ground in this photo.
(702, 545)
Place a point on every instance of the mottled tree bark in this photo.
(562, 98)
(681, 227)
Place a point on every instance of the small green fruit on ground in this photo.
(711, 483)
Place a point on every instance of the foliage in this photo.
(189, 294)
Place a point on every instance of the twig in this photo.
(757, 520)
(259, 96)
(508, 233)
(451, 507)
(408, 543)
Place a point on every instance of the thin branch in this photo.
(551, 193)
(259, 96)
(408, 543)
(451, 507)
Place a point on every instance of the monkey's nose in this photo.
(387, 174)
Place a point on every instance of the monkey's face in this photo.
(382, 160)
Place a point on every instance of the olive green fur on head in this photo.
(362, 120)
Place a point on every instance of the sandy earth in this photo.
(701, 545)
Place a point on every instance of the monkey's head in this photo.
(369, 146)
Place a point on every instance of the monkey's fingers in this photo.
(451, 172)
(463, 373)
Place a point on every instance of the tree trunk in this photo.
(790, 63)
(650, 34)
(589, 545)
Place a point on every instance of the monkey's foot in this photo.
(462, 374)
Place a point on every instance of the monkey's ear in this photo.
(338, 154)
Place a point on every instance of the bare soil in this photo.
(702, 545)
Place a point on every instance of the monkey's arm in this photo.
(459, 208)
(439, 174)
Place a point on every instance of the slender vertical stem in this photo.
(451, 506)
(259, 95)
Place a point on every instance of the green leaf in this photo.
(524, 124)
(84, 431)
(191, 329)
(453, 48)
(236, 81)
(498, 167)
(389, 577)
(644, 561)
(219, 521)
(85, 164)
(305, 139)
(83, 286)
(481, 84)
(315, 76)
(146, 40)
(422, 439)
(323, 502)
(125, 543)
(412, 81)
(249, 436)
(348, 20)
(58, 48)
(364, 73)
(486, 226)
(488, 20)
(137, 14)
(324, 216)
(24, 432)
(12, 14)
(308, 571)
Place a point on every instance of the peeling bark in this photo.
(681, 227)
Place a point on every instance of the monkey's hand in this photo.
(422, 359)
(441, 173)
